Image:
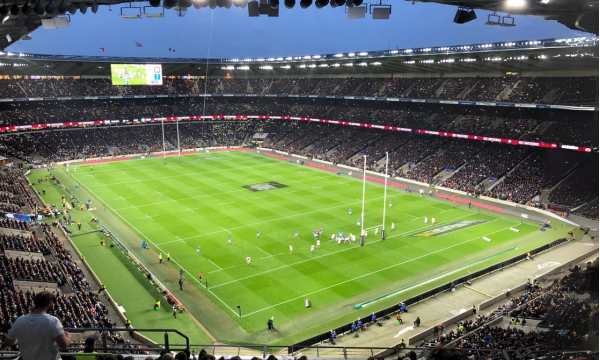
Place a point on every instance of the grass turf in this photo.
(199, 210)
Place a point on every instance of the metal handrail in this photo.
(165, 331)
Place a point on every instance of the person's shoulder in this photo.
(51, 319)
(20, 319)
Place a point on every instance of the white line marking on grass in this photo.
(226, 230)
(214, 263)
(176, 176)
(384, 269)
(271, 220)
(404, 331)
(192, 276)
(324, 255)
(205, 195)
(263, 251)
(235, 266)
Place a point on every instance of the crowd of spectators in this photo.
(490, 164)
(579, 187)
(39, 257)
(449, 157)
(26, 243)
(568, 90)
(507, 172)
(566, 314)
(14, 224)
(87, 143)
(538, 171)
(574, 128)
(521, 173)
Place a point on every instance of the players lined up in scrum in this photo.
(340, 237)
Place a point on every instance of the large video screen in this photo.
(136, 74)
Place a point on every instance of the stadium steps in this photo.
(22, 88)
(444, 175)
(570, 172)
(463, 94)
(504, 95)
(552, 95)
(439, 90)
(542, 127)
(501, 179)
(358, 152)
(594, 200)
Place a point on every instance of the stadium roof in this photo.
(575, 54)
(576, 14)
(21, 17)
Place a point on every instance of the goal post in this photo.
(362, 209)
(385, 186)
(380, 228)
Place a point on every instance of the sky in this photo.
(230, 33)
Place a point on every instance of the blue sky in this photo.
(231, 33)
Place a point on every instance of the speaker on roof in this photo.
(464, 15)
(381, 12)
(253, 8)
(356, 12)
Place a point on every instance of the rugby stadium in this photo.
(433, 202)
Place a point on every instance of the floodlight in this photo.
(515, 4)
(197, 3)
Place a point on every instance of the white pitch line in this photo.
(263, 251)
(226, 230)
(202, 195)
(324, 255)
(192, 276)
(267, 221)
(176, 176)
(214, 263)
(378, 271)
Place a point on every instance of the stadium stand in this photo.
(34, 256)
(37, 259)
(512, 88)
(511, 173)
(566, 314)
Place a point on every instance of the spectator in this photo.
(38, 333)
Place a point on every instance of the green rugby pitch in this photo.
(205, 211)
